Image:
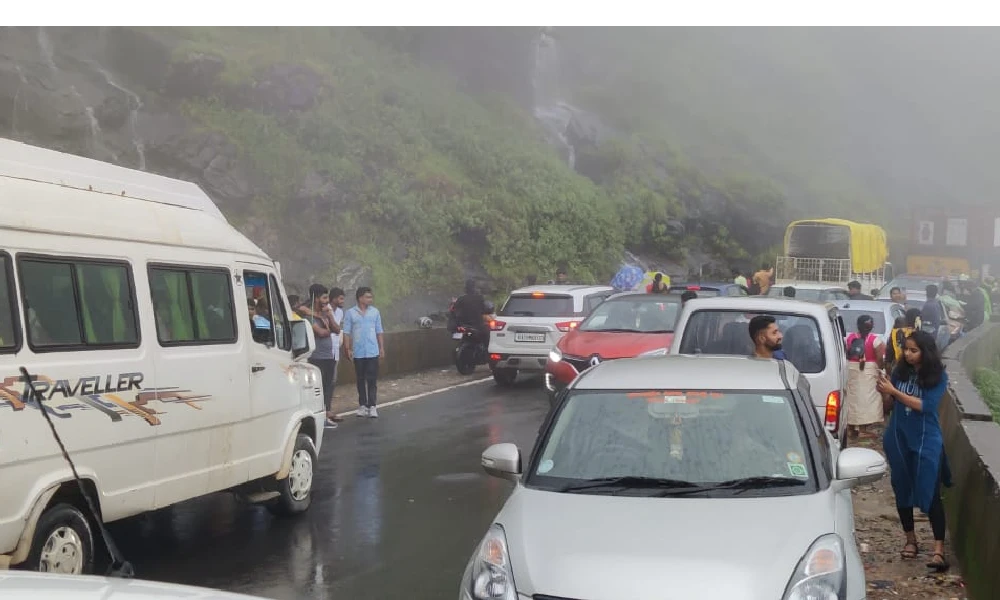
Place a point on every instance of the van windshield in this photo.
(728, 332)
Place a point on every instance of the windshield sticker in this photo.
(794, 457)
(545, 466)
(773, 399)
(797, 470)
(675, 399)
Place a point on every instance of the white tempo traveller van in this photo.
(126, 297)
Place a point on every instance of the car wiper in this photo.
(628, 482)
(617, 330)
(759, 482)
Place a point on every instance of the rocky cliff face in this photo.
(134, 97)
(116, 95)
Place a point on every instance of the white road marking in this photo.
(422, 395)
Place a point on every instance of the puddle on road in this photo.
(458, 477)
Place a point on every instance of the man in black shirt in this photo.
(470, 308)
(854, 291)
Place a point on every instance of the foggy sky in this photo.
(909, 114)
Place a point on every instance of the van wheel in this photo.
(63, 542)
(296, 489)
(504, 377)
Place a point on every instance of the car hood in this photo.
(610, 344)
(591, 547)
(21, 585)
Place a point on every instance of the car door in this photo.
(273, 399)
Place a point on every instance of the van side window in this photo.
(282, 331)
(9, 338)
(78, 304)
(259, 307)
(192, 305)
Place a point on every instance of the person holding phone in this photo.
(913, 443)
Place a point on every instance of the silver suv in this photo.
(532, 321)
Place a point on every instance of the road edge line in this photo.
(423, 395)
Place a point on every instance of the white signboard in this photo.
(956, 234)
(996, 232)
(925, 233)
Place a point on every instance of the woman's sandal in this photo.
(939, 566)
(908, 554)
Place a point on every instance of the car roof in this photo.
(807, 286)
(643, 296)
(704, 284)
(25, 585)
(562, 289)
(868, 305)
(762, 303)
(679, 371)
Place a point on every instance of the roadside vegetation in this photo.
(988, 382)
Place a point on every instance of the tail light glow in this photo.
(567, 326)
(495, 357)
(832, 410)
(497, 325)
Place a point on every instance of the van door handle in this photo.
(257, 368)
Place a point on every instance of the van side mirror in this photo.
(300, 338)
(856, 466)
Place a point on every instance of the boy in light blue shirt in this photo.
(364, 346)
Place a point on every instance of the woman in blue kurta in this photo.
(913, 443)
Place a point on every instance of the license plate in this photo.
(456, 336)
(529, 337)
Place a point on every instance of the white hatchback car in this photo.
(814, 342)
(532, 321)
(677, 477)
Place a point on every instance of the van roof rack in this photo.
(23, 161)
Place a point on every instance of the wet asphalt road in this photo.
(399, 504)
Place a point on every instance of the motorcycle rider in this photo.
(469, 310)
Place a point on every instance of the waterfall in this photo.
(134, 106)
(549, 110)
(45, 46)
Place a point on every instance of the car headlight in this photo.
(822, 572)
(489, 575)
(555, 355)
(656, 352)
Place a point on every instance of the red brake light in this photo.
(694, 288)
(495, 357)
(567, 326)
(537, 295)
(497, 325)
(832, 410)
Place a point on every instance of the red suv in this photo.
(623, 326)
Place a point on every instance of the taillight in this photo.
(497, 325)
(832, 410)
(495, 357)
(567, 325)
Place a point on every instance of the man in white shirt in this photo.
(336, 310)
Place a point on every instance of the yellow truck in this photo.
(834, 252)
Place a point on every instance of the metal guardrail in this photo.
(832, 271)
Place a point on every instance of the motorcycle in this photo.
(470, 351)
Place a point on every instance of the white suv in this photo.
(532, 320)
(813, 341)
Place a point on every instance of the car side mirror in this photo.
(857, 466)
(300, 338)
(503, 461)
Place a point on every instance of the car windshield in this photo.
(676, 440)
(728, 332)
(911, 284)
(807, 294)
(537, 305)
(851, 319)
(639, 313)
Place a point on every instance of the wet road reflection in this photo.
(399, 504)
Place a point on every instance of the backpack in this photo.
(856, 349)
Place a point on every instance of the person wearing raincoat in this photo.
(913, 443)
